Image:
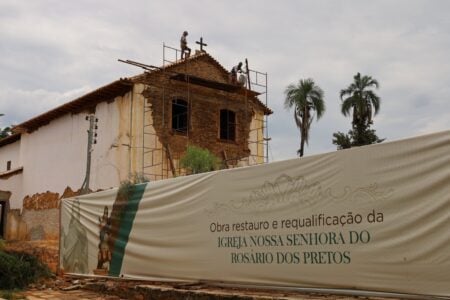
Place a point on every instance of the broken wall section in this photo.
(39, 219)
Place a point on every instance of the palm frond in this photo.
(347, 105)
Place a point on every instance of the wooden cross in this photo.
(201, 44)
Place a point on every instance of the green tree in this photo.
(342, 140)
(307, 99)
(355, 138)
(199, 160)
(359, 100)
(4, 132)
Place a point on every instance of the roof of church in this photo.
(9, 139)
(201, 81)
(109, 91)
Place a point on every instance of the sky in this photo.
(54, 51)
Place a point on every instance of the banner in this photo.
(373, 218)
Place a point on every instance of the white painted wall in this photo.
(10, 152)
(12, 184)
(54, 156)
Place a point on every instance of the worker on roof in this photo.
(234, 71)
(183, 45)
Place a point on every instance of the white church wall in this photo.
(10, 153)
(11, 183)
(54, 156)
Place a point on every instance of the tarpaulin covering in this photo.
(372, 218)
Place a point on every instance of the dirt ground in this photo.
(79, 288)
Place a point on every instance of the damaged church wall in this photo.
(55, 154)
(204, 124)
(54, 158)
(137, 129)
(111, 155)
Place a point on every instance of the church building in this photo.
(138, 126)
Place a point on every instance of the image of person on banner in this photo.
(75, 243)
(104, 253)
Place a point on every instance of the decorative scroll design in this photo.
(286, 191)
(369, 193)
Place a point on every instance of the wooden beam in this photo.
(169, 156)
(225, 159)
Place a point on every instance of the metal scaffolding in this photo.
(158, 161)
(258, 80)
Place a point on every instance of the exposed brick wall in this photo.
(41, 201)
(205, 105)
(39, 218)
(16, 228)
(47, 200)
(41, 224)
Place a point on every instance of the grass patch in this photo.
(18, 270)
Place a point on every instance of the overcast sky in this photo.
(54, 51)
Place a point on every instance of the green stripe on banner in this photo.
(126, 223)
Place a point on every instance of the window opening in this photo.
(180, 116)
(8, 165)
(227, 125)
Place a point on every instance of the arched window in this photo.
(180, 116)
(227, 125)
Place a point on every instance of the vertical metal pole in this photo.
(163, 111)
(267, 121)
(89, 153)
(164, 57)
(85, 186)
(143, 135)
(130, 148)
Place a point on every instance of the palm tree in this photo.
(306, 98)
(361, 101)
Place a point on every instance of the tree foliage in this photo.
(355, 138)
(360, 101)
(4, 132)
(307, 99)
(17, 270)
(199, 160)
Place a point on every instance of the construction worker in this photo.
(234, 72)
(183, 45)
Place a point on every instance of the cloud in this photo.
(28, 104)
(51, 48)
